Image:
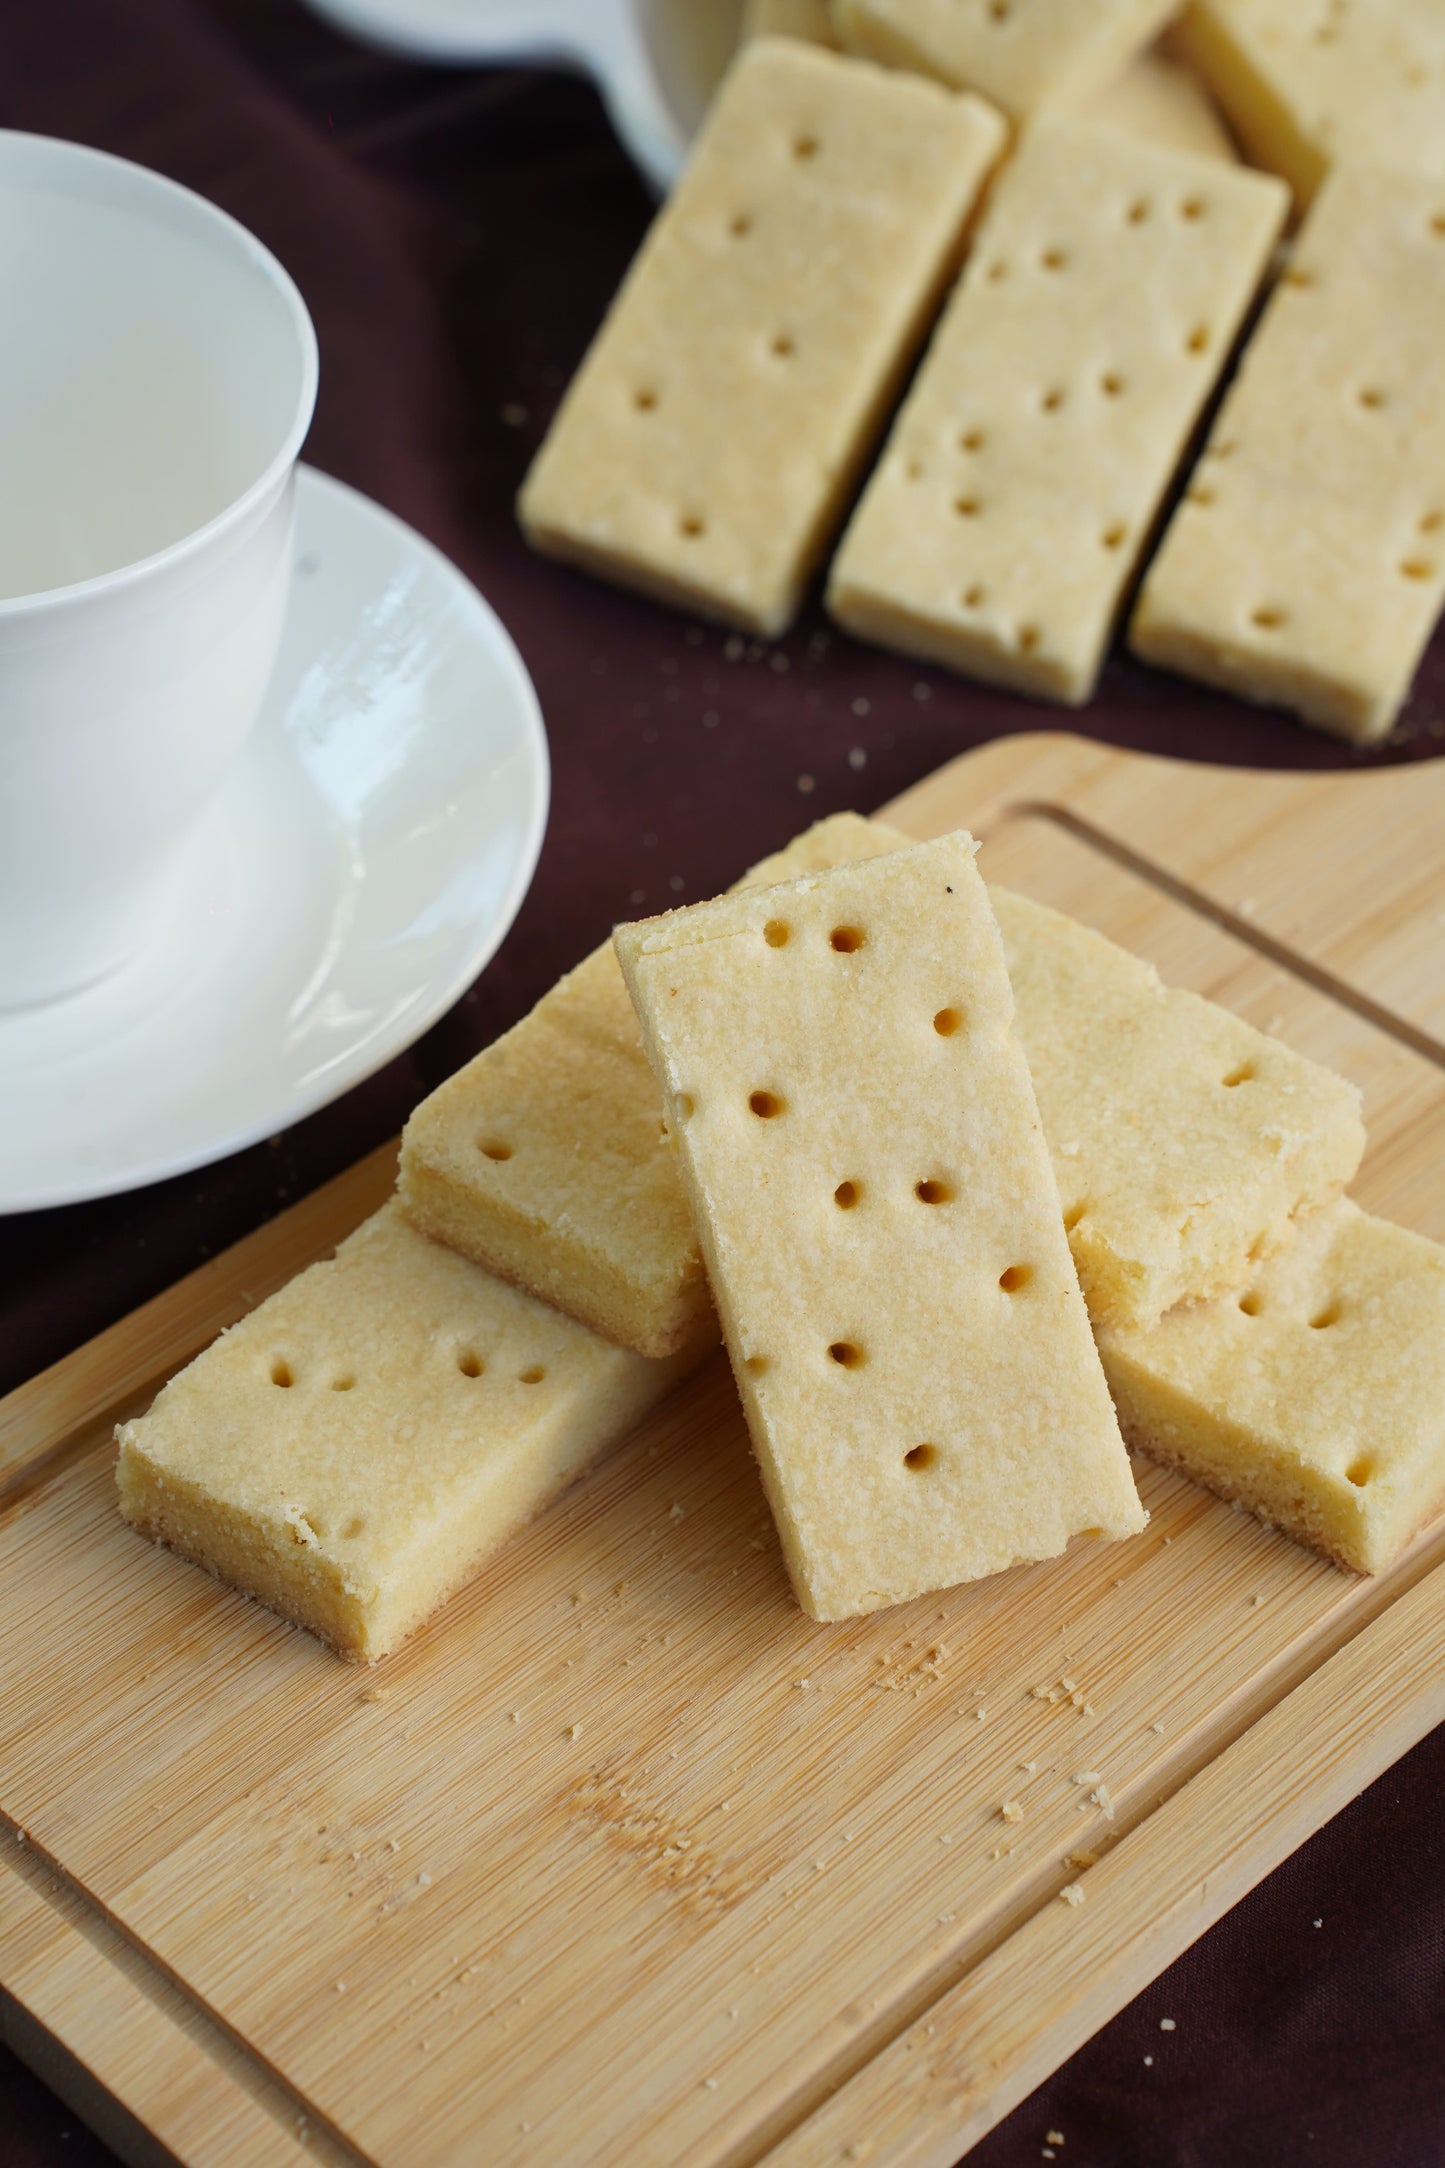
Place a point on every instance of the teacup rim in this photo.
(45, 600)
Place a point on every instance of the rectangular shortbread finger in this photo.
(707, 446)
(1184, 1141)
(1001, 529)
(1158, 99)
(351, 1450)
(1025, 55)
(859, 1142)
(1316, 1396)
(1306, 564)
(1305, 87)
(546, 1158)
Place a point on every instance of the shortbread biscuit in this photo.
(1315, 1396)
(1025, 55)
(708, 444)
(1305, 567)
(1307, 86)
(353, 1449)
(1019, 489)
(1158, 99)
(546, 1158)
(1183, 1140)
(859, 1141)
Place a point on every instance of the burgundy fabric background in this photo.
(457, 236)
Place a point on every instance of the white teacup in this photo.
(157, 376)
(656, 62)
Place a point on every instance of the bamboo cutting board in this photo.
(624, 1860)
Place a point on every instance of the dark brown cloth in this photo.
(457, 236)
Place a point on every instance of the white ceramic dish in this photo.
(656, 62)
(354, 875)
(157, 376)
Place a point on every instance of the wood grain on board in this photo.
(624, 1860)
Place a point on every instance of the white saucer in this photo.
(355, 875)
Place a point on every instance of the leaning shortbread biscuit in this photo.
(1316, 1396)
(1002, 528)
(1158, 99)
(350, 1451)
(710, 441)
(1183, 1140)
(1306, 565)
(861, 1149)
(546, 1158)
(1024, 54)
(1306, 87)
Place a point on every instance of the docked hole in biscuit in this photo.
(920, 1457)
(1015, 1277)
(281, 1371)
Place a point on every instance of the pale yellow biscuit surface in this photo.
(708, 443)
(353, 1448)
(1306, 565)
(1002, 527)
(1159, 99)
(1184, 1141)
(547, 1160)
(1025, 55)
(1316, 1396)
(860, 1144)
(1305, 86)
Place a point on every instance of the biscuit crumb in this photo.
(1166, 2024)
(1072, 1893)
